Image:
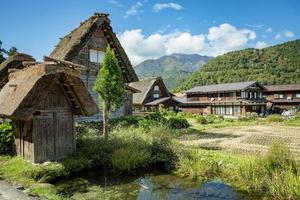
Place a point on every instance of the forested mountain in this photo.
(278, 64)
(172, 68)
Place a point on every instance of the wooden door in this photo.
(64, 134)
(43, 137)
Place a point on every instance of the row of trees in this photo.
(279, 64)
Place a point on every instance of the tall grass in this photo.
(276, 174)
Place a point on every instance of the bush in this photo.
(178, 123)
(129, 158)
(275, 118)
(126, 121)
(6, 139)
(201, 119)
(212, 119)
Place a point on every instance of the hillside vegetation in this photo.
(278, 64)
(172, 68)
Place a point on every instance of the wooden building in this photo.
(153, 94)
(42, 100)
(283, 97)
(17, 61)
(232, 99)
(86, 45)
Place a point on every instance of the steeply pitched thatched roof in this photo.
(223, 87)
(144, 86)
(76, 39)
(27, 87)
(287, 87)
(12, 62)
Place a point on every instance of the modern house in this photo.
(41, 100)
(282, 97)
(86, 45)
(153, 94)
(232, 99)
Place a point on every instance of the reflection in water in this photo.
(212, 190)
(95, 185)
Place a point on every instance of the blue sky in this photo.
(152, 28)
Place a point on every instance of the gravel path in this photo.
(253, 138)
(8, 192)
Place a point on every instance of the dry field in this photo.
(246, 139)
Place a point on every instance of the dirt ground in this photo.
(246, 139)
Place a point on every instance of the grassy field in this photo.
(208, 149)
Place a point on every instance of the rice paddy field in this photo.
(245, 139)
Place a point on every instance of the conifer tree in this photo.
(110, 86)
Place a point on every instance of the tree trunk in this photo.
(105, 120)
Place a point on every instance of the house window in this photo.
(279, 96)
(155, 96)
(297, 95)
(96, 56)
(156, 88)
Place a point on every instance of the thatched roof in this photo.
(286, 87)
(12, 62)
(21, 96)
(145, 87)
(69, 45)
(224, 87)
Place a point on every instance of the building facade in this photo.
(86, 45)
(231, 99)
(153, 93)
(283, 97)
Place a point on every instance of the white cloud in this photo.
(255, 26)
(260, 45)
(227, 37)
(134, 10)
(289, 34)
(160, 6)
(116, 3)
(269, 30)
(277, 36)
(220, 39)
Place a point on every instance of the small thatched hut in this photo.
(42, 100)
(17, 61)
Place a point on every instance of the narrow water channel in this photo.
(155, 186)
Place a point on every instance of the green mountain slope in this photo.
(278, 64)
(172, 68)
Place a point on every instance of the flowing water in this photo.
(155, 186)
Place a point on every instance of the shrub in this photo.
(130, 158)
(178, 123)
(126, 121)
(6, 138)
(275, 118)
(201, 119)
(211, 119)
(156, 116)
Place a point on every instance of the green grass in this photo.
(275, 175)
(132, 148)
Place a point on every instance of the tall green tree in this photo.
(110, 86)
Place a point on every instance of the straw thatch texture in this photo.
(21, 96)
(12, 62)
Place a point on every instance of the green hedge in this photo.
(6, 139)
